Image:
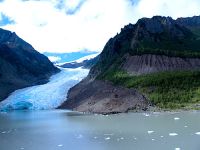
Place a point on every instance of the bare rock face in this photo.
(145, 64)
(20, 64)
(103, 97)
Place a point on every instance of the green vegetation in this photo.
(168, 90)
(195, 30)
(174, 48)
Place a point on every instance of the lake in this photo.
(65, 130)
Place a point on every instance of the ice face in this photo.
(46, 96)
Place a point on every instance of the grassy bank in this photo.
(168, 90)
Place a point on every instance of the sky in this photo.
(82, 25)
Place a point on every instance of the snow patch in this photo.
(79, 60)
(54, 58)
(86, 58)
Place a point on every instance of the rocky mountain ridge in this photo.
(151, 45)
(20, 64)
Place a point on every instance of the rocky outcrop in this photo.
(104, 97)
(20, 64)
(145, 64)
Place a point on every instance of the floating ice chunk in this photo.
(60, 145)
(176, 118)
(3, 132)
(177, 149)
(153, 139)
(147, 115)
(185, 126)
(95, 137)
(121, 138)
(80, 136)
(107, 138)
(150, 132)
(197, 133)
(162, 136)
(173, 134)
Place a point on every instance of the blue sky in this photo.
(75, 25)
(5, 20)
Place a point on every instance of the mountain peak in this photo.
(11, 39)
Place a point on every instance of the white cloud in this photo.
(50, 29)
(174, 8)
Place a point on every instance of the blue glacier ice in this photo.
(46, 96)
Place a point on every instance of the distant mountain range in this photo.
(20, 64)
(155, 62)
(67, 57)
(84, 62)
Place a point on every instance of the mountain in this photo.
(157, 57)
(85, 62)
(193, 23)
(20, 64)
(66, 57)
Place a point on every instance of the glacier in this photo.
(46, 96)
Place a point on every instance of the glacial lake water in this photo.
(65, 130)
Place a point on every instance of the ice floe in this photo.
(150, 132)
(173, 134)
(197, 133)
(176, 118)
(107, 138)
